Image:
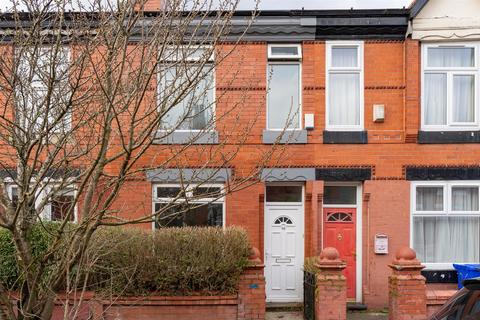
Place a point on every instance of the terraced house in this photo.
(363, 126)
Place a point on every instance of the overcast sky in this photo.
(289, 4)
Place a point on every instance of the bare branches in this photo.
(92, 101)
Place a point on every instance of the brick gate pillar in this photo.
(331, 287)
(251, 289)
(407, 298)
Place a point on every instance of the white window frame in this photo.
(46, 214)
(447, 211)
(161, 85)
(271, 56)
(188, 190)
(66, 123)
(358, 70)
(450, 72)
(285, 60)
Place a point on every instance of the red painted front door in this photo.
(339, 232)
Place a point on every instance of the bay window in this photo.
(446, 222)
(344, 85)
(450, 86)
(192, 205)
(284, 87)
(187, 90)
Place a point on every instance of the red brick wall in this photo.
(248, 304)
(245, 208)
(331, 296)
(387, 212)
(146, 308)
(251, 294)
(407, 296)
(153, 5)
(225, 309)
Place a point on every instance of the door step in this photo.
(284, 306)
(356, 306)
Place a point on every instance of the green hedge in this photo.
(40, 238)
(127, 261)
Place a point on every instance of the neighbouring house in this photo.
(381, 149)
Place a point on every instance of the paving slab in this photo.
(284, 315)
(298, 315)
(366, 316)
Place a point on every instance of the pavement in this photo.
(298, 315)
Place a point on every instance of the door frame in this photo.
(358, 232)
(301, 231)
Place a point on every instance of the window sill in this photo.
(439, 137)
(297, 136)
(186, 137)
(345, 137)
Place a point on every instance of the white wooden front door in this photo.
(284, 251)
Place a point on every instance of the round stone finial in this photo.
(254, 257)
(329, 254)
(254, 253)
(406, 254)
(406, 257)
(330, 260)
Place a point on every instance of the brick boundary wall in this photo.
(168, 308)
(437, 298)
(247, 304)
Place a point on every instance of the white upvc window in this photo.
(188, 72)
(284, 87)
(344, 86)
(199, 205)
(34, 106)
(284, 51)
(450, 86)
(58, 206)
(445, 222)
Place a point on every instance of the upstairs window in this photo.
(284, 87)
(446, 222)
(187, 89)
(42, 91)
(344, 86)
(450, 86)
(192, 205)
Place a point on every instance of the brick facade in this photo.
(392, 77)
(392, 73)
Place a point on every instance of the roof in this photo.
(416, 7)
(290, 25)
(301, 25)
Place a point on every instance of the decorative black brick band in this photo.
(343, 174)
(442, 173)
(345, 137)
(442, 137)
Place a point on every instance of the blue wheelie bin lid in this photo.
(466, 271)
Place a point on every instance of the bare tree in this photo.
(93, 98)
